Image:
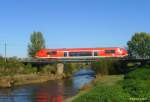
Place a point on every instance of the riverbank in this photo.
(133, 86)
(109, 80)
(23, 79)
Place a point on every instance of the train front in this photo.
(41, 54)
(124, 52)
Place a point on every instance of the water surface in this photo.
(51, 91)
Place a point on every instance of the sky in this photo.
(71, 23)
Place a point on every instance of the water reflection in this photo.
(52, 91)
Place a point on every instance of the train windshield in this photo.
(109, 51)
(52, 53)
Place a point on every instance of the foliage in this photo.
(29, 69)
(105, 67)
(70, 68)
(137, 82)
(37, 42)
(140, 73)
(49, 69)
(13, 66)
(139, 45)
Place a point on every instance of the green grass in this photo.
(108, 80)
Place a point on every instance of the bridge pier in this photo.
(60, 68)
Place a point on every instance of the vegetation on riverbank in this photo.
(13, 72)
(12, 67)
(22, 79)
(106, 66)
(133, 87)
(71, 68)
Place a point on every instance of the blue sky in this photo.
(71, 23)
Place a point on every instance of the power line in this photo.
(5, 51)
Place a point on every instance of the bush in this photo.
(104, 94)
(105, 67)
(137, 82)
(70, 68)
(140, 73)
(29, 69)
(13, 66)
(49, 69)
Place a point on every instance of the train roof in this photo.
(97, 48)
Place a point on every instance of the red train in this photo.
(81, 53)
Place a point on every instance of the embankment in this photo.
(10, 81)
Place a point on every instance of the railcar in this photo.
(81, 53)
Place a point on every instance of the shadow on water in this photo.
(51, 91)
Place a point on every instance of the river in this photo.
(51, 91)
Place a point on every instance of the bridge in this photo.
(60, 63)
(121, 60)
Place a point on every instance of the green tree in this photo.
(37, 42)
(139, 45)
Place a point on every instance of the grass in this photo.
(104, 93)
(108, 80)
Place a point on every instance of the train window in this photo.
(80, 54)
(74, 54)
(52, 53)
(109, 51)
(85, 54)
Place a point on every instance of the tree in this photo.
(139, 45)
(37, 43)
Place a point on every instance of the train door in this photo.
(95, 53)
(65, 53)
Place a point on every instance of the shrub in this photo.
(137, 82)
(105, 67)
(29, 69)
(13, 66)
(140, 73)
(70, 68)
(48, 69)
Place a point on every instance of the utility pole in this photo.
(5, 51)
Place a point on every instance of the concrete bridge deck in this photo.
(123, 63)
(122, 60)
